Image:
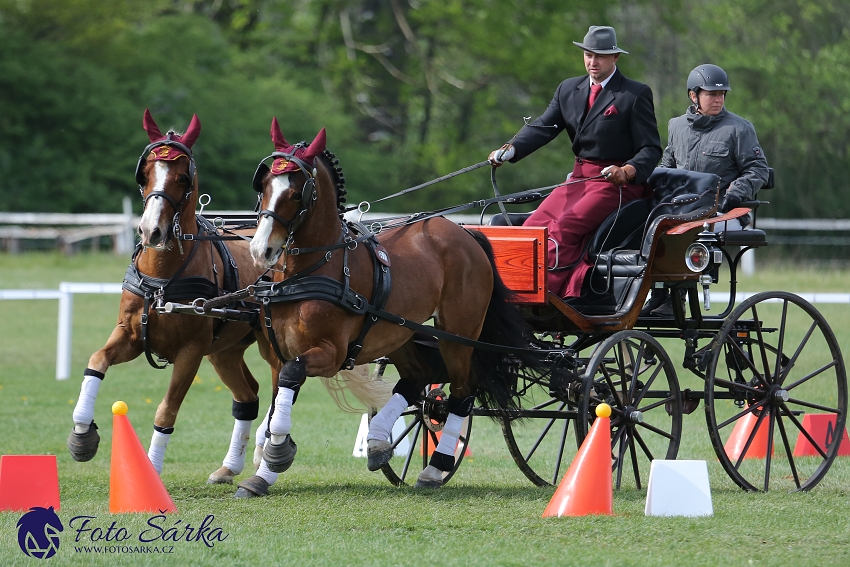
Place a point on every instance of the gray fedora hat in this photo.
(601, 40)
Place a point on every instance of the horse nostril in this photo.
(269, 253)
(155, 234)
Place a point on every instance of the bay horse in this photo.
(328, 271)
(166, 267)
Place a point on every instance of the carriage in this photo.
(768, 371)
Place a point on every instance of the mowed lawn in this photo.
(328, 509)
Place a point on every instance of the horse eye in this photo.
(183, 178)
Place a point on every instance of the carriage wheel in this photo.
(420, 437)
(539, 436)
(774, 360)
(631, 372)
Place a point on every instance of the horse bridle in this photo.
(307, 198)
(140, 179)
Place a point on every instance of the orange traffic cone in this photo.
(134, 485)
(738, 440)
(821, 427)
(28, 481)
(586, 488)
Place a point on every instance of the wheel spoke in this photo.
(799, 350)
(781, 344)
(540, 438)
(654, 405)
(560, 451)
(761, 343)
(620, 451)
(768, 461)
(820, 370)
(636, 365)
(648, 384)
(788, 452)
(802, 430)
(750, 363)
(643, 446)
(635, 466)
(750, 439)
(826, 409)
(738, 416)
(655, 430)
(611, 385)
(411, 451)
(735, 385)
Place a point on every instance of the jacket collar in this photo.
(606, 97)
(702, 122)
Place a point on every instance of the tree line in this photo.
(408, 89)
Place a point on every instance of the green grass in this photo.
(328, 509)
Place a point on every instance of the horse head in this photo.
(289, 193)
(166, 177)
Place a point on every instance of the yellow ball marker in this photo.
(119, 408)
(602, 410)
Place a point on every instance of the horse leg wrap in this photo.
(260, 439)
(84, 410)
(379, 450)
(245, 411)
(280, 449)
(159, 442)
(235, 458)
(443, 457)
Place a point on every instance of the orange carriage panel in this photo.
(520, 253)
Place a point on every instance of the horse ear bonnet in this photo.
(183, 144)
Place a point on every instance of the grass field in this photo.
(328, 509)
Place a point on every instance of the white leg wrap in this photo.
(156, 453)
(235, 458)
(267, 475)
(382, 424)
(450, 435)
(281, 421)
(84, 410)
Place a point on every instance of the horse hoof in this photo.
(83, 446)
(378, 453)
(258, 456)
(279, 457)
(430, 477)
(222, 476)
(252, 487)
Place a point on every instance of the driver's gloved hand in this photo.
(730, 202)
(500, 156)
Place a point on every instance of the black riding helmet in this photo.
(708, 77)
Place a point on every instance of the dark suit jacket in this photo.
(629, 135)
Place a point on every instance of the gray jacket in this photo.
(725, 144)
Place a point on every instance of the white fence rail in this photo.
(67, 290)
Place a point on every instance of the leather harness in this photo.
(175, 288)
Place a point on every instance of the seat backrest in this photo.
(678, 194)
(622, 228)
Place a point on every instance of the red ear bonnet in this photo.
(308, 154)
(170, 152)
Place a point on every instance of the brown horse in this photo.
(328, 271)
(168, 268)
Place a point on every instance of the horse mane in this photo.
(332, 163)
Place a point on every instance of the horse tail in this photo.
(367, 387)
(496, 372)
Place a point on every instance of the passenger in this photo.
(710, 139)
(611, 123)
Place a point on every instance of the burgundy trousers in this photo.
(572, 213)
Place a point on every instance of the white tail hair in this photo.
(366, 385)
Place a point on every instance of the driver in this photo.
(611, 122)
(710, 139)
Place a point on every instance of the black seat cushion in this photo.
(517, 219)
(753, 237)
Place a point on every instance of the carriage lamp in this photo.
(697, 257)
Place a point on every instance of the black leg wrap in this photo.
(95, 373)
(461, 407)
(246, 411)
(442, 461)
(292, 375)
(408, 390)
(163, 430)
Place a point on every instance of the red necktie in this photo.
(594, 92)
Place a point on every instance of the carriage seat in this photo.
(751, 238)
